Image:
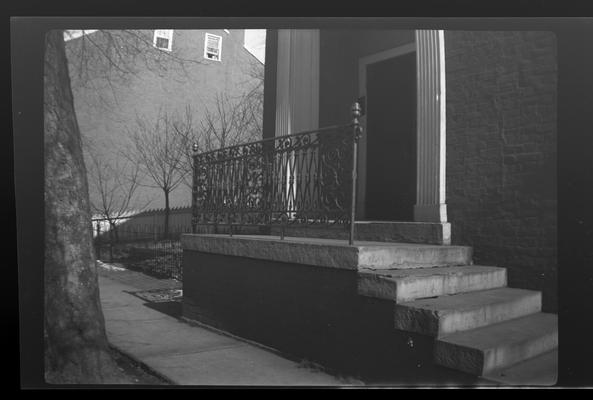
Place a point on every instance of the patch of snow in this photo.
(110, 267)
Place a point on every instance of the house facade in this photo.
(459, 131)
(166, 71)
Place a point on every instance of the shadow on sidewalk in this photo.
(166, 301)
(171, 308)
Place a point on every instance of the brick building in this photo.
(165, 72)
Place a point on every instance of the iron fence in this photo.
(308, 178)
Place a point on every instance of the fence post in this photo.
(356, 132)
(98, 241)
(111, 244)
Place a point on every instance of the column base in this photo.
(430, 213)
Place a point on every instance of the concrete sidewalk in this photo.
(186, 354)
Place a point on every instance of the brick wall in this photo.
(107, 111)
(501, 152)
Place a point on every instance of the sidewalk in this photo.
(187, 354)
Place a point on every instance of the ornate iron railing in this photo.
(308, 177)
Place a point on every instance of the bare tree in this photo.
(110, 58)
(185, 130)
(114, 184)
(227, 122)
(159, 152)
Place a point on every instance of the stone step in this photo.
(404, 285)
(449, 314)
(375, 255)
(331, 253)
(378, 231)
(484, 350)
(537, 371)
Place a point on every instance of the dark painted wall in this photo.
(501, 140)
(340, 51)
(308, 312)
(501, 152)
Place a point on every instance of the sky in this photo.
(255, 41)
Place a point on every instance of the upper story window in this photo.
(212, 47)
(163, 39)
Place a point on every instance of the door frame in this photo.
(363, 62)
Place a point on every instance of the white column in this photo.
(431, 102)
(297, 88)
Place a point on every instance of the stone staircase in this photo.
(479, 325)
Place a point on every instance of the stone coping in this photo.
(379, 231)
(333, 253)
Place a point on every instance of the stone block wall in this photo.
(501, 152)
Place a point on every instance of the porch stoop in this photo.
(480, 326)
(476, 323)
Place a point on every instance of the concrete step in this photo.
(331, 253)
(404, 285)
(378, 231)
(537, 371)
(484, 350)
(448, 314)
(377, 255)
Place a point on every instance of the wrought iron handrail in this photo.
(307, 177)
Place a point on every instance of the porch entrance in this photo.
(391, 138)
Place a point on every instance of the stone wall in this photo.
(501, 152)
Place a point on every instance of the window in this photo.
(212, 47)
(163, 39)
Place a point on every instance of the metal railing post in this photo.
(194, 220)
(356, 132)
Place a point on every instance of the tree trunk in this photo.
(166, 230)
(76, 348)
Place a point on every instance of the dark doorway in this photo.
(391, 139)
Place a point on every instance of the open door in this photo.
(390, 192)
